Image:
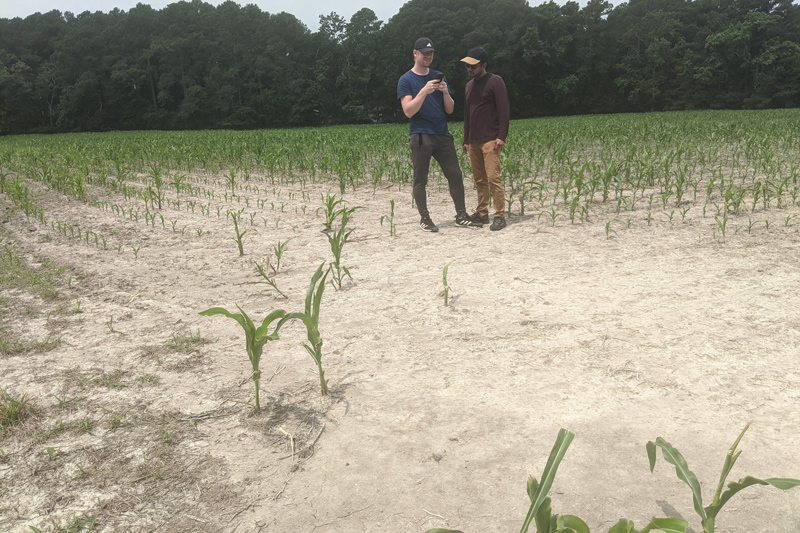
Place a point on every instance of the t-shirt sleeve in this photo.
(403, 87)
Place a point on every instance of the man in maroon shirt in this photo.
(486, 117)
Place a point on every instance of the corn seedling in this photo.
(278, 250)
(708, 515)
(230, 178)
(311, 320)
(264, 273)
(337, 240)
(447, 288)
(255, 338)
(236, 217)
(722, 224)
(390, 219)
(539, 514)
(110, 326)
(331, 210)
(609, 230)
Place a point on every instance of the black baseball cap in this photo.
(475, 56)
(424, 45)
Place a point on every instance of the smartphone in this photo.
(439, 77)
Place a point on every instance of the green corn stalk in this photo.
(278, 249)
(608, 228)
(538, 491)
(722, 224)
(547, 522)
(236, 216)
(390, 219)
(264, 273)
(447, 287)
(230, 178)
(255, 338)
(708, 515)
(337, 240)
(331, 210)
(539, 512)
(177, 182)
(311, 320)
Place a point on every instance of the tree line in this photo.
(191, 65)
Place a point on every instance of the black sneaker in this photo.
(498, 223)
(465, 221)
(480, 219)
(427, 225)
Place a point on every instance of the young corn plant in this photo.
(236, 217)
(310, 317)
(390, 219)
(278, 250)
(722, 224)
(539, 514)
(264, 273)
(337, 240)
(447, 288)
(708, 515)
(230, 179)
(609, 231)
(255, 338)
(331, 209)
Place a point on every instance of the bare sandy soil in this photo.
(436, 414)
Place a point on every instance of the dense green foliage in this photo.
(193, 65)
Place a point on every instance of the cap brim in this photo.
(471, 61)
(426, 50)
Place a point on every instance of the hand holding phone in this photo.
(439, 77)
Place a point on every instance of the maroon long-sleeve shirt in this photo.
(486, 111)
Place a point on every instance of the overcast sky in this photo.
(308, 11)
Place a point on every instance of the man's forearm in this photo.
(449, 104)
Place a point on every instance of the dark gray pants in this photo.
(442, 149)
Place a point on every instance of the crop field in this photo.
(247, 331)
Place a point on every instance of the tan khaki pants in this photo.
(485, 161)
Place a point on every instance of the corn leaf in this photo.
(730, 460)
(674, 457)
(533, 486)
(736, 486)
(668, 525)
(263, 330)
(220, 311)
(560, 447)
(542, 518)
(570, 524)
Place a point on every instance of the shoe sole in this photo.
(429, 230)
